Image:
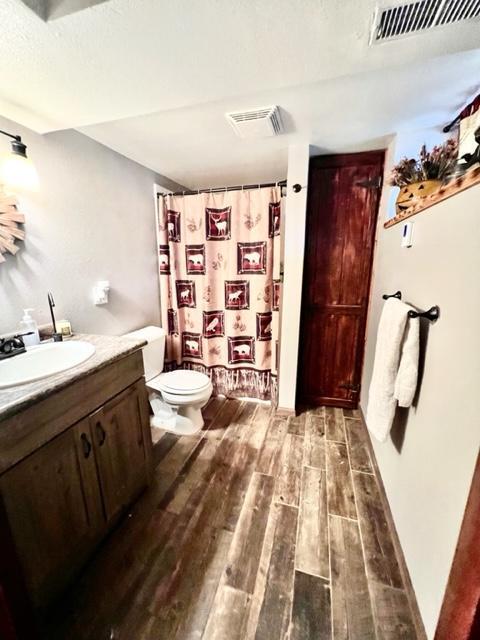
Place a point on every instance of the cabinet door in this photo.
(120, 432)
(53, 504)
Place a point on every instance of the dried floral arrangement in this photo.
(436, 164)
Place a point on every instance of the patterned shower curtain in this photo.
(219, 264)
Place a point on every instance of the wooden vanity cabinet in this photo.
(62, 498)
(118, 437)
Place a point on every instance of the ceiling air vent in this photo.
(412, 17)
(256, 123)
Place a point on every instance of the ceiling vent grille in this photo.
(405, 19)
(256, 123)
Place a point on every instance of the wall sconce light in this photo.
(16, 169)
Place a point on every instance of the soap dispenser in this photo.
(29, 326)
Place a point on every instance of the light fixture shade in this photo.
(18, 171)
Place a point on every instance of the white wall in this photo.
(91, 219)
(428, 475)
(293, 252)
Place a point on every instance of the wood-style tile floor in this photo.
(260, 528)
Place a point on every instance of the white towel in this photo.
(395, 369)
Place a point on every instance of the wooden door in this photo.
(120, 435)
(343, 198)
(53, 504)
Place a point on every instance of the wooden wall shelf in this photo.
(470, 179)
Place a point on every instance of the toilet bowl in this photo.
(176, 397)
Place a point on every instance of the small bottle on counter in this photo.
(29, 326)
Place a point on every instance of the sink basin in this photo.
(42, 361)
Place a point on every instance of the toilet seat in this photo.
(180, 382)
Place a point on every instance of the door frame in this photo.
(343, 160)
(460, 612)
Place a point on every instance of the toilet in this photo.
(176, 397)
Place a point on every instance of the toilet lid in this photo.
(183, 381)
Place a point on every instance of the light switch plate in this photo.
(407, 234)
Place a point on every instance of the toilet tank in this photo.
(154, 351)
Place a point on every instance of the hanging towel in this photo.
(406, 381)
(395, 368)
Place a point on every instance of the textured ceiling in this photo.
(197, 147)
(160, 74)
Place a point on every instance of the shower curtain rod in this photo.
(241, 187)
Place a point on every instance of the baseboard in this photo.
(284, 412)
(409, 590)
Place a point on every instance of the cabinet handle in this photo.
(87, 447)
(101, 434)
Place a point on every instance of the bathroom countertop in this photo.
(108, 349)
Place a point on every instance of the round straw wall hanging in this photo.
(10, 219)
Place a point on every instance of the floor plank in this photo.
(358, 446)
(178, 454)
(261, 581)
(269, 457)
(352, 413)
(195, 616)
(312, 554)
(228, 617)
(274, 619)
(334, 423)
(352, 617)
(380, 558)
(194, 472)
(218, 425)
(315, 441)
(341, 501)
(296, 424)
(287, 489)
(212, 409)
(163, 445)
(393, 619)
(311, 616)
(244, 556)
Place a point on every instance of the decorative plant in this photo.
(436, 164)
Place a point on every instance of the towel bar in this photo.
(432, 314)
(397, 294)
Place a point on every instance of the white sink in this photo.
(42, 361)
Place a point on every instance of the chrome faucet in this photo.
(57, 337)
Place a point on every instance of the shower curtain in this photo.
(219, 264)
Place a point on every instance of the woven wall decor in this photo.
(10, 219)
